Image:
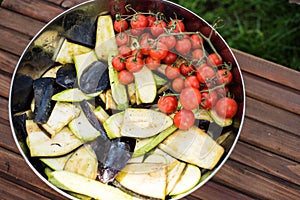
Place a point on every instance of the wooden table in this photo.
(264, 164)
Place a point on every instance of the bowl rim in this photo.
(199, 185)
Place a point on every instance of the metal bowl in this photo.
(36, 66)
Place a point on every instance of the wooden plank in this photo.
(15, 21)
(271, 139)
(13, 41)
(4, 109)
(71, 3)
(5, 84)
(269, 114)
(267, 162)
(215, 191)
(256, 183)
(16, 170)
(9, 190)
(272, 93)
(8, 61)
(268, 70)
(7, 140)
(33, 8)
(57, 2)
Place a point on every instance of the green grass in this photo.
(267, 29)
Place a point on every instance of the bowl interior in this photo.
(37, 58)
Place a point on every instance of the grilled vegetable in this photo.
(220, 121)
(145, 85)
(105, 38)
(61, 115)
(44, 89)
(68, 50)
(193, 146)
(83, 162)
(188, 179)
(148, 179)
(41, 145)
(113, 125)
(77, 183)
(66, 76)
(73, 95)
(20, 99)
(119, 93)
(56, 163)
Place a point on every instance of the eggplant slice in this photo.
(112, 155)
(44, 89)
(94, 78)
(66, 76)
(22, 93)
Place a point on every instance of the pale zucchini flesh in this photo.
(193, 146)
(148, 179)
(145, 85)
(61, 115)
(73, 182)
(83, 162)
(40, 145)
(56, 163)
(73, 95)
(83, 129)
(68, 50)
(105, 37)
(143, 123)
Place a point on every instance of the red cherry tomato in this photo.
(197, 41)
(120, 25)
(176, 25)
(137, 53)
(197, 54)
(178, 84)
(139, 21)
(125, 77)
(151, 20)
(222, 92)
(118, 63)
(167, 104)
(183, 46)
(205, 73)
(184, 119)
(158, 51)
(215, 59)
(192, 81)
(146, 42)
(186, 69)
(190, 98)
(226, 107)
(158, 28)
(172, 72)
(122, 39)
(209, 99)
(134, 64)
(152, 63)
(224, 76)
(169, 40)
(170, 58)
(124, 51)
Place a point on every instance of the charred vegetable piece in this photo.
(66, 76)
(112, 155)
(94, 78)
(44, 89)
(22, 93)
(19, 122)
(80, 27)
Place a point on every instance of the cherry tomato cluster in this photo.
(198, 79)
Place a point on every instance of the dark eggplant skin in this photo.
(80, 27)
(44, 89)
(94, 78)
(112, 155)
(22, 93)
(66, 76)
